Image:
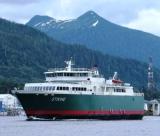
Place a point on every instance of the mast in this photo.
(69, 65)
(150, 74)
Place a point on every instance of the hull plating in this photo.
(82, 106)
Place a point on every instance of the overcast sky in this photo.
(139, 14)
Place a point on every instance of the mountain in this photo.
(99, 34)
(25, 53)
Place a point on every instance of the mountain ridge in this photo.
(105, 36)
(25, 53)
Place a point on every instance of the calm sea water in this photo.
(18, 126)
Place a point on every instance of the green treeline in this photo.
(26, 53)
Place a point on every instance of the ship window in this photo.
(77, 74)
(54, 74)
(83, 74)
(40, 88)
(78, 89)
(50, 88)
(50, 75)
(53, 87)
(68, 74)
(29, 88)
(46, 88)
(36, 89)
(123, 90)
(119, 90)
(102, 88)
(59, 74)
(107, 89)
(63, 88)
(43, 88)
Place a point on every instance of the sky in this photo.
(138, 14)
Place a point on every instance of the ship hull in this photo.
(73, 106)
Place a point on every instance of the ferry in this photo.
(80, 93)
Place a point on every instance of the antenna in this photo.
(69, 64)
(150, 74)
(115, 76)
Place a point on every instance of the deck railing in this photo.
(72, 69)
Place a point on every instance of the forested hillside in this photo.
(25, 53)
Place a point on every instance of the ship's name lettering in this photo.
(58, 99)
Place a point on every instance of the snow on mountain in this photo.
(106, 36)
(95, 23)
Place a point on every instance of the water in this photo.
(17, 126)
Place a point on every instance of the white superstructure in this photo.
(71, 80)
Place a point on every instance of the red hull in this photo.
(80, 113)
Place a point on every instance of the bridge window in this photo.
(59, 74)
(79, 88)
(49, 74)
(83, 74)
(119, 90)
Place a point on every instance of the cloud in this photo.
(147, 20)
(118, 11)
(21, 13)
(18, 2)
